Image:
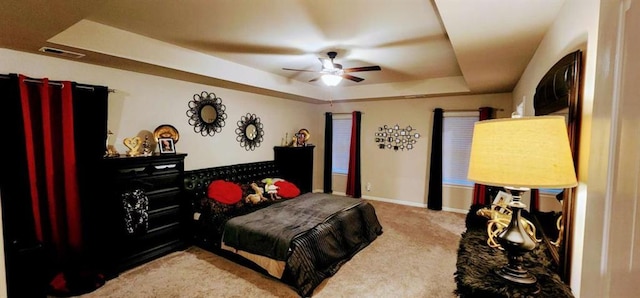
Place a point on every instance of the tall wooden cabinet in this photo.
(160, 178)
(296, 165)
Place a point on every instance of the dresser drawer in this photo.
(165, 180)
(164, 216)
(153, 237)
(164, 197)
(147, 169)
(148, 182)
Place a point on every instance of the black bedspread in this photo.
(319, 253)
(269, 231)
(315, 234)
(313, 254)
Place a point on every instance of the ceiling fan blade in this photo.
(350, 77)
(363, 68)
(307, 70)
(313, 80)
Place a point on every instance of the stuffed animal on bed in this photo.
(256, 197)
(271, 188)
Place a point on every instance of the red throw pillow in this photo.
(224, 192)
(287, 189)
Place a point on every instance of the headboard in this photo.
(197, 181)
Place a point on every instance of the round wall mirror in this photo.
(206, 113)
(249, 132)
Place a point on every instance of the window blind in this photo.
(456, 143)
(341, 144)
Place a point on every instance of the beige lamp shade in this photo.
(529, 152)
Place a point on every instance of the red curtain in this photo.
(354, 185)
(535, 200)
(47, 112)
(480, 194)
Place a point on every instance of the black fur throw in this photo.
(477, 261)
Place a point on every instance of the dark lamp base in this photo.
(518, 276)
(516, 242)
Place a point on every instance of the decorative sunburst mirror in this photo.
(249, 132)
(206, 113)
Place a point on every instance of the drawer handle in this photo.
(162, 167)
(131, 170)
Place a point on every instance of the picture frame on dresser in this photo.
(166, 146)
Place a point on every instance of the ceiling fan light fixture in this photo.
(331, 79)
(327, 64)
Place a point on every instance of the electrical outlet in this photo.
(368, 186)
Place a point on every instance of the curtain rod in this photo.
(332, 113)
(55, 83)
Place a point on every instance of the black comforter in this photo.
(269, 231)
(314, 233)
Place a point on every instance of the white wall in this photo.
(611, 266)
(142, 102)
(403, 176)
(576, 28)
(602, 259)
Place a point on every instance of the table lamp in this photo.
(520, 154)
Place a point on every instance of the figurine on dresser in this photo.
(110, 149)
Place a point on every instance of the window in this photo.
(551, 191)
(456, 147)
(341, 144)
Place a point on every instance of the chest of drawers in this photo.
(163, 229)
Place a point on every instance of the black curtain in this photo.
(434, 200)
(33, 260)
(21, 247)
(328, 151)
(14, 182)
(354, 184)
(90, 111)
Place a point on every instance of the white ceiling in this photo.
(425, 48)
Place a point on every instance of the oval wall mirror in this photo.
(206, 113)
(249, 132)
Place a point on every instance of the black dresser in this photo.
(160, 179)
(296, 165)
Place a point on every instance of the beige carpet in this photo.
(414, 257)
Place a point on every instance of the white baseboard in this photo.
(400, 202)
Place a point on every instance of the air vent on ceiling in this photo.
(60, 52)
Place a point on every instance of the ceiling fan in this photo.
(331, 70)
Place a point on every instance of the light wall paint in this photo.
(142, 102)
(607, 194)
(611, 267)
(402, 176)
(576, 30)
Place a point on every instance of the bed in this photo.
(300, 239)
